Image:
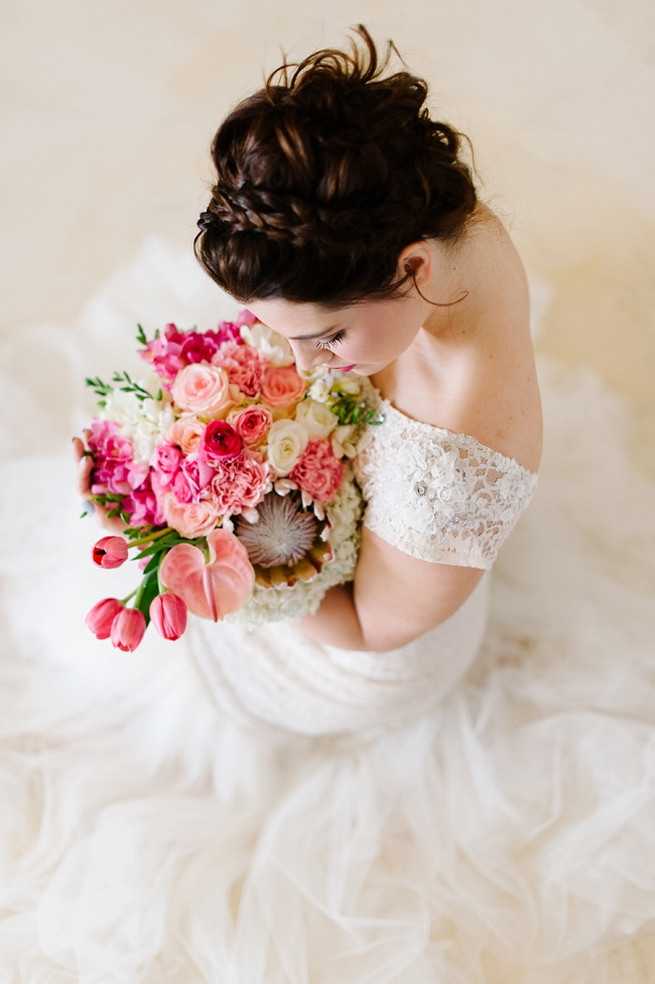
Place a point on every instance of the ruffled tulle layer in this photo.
(507, 836)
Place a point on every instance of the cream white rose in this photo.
(317, 419)
(287, 440)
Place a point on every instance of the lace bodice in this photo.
(439, 496)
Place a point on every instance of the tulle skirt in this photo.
(506, 833)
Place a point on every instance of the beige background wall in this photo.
(109, 108)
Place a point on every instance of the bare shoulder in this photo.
(473, 369)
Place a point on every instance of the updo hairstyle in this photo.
(324, 176)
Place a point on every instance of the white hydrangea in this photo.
(273, 345)
(143, 422)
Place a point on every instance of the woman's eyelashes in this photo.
(328, 343)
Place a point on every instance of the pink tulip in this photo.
(127, 629)
(168, 615)
(110, 551)
(102, 615)
(214, 589)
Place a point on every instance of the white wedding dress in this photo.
(243, 806)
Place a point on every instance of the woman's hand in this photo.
(83, 464)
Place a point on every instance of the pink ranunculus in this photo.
(189, 519)
(143, 507)
(114, 469)
(282, 386)
(110, 552)
(168, 615)
(101, 616)
(127, 629)
(165, 462)
(244, 365)
(240, 483)
(318, 472)
(219, 441)
(228, 331)
(172, 350)
(214, 589)
(185, 433)
(202, 389)
(252, 424)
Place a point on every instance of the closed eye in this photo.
(330, 342)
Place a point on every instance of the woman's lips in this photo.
(347, 368)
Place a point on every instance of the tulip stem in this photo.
(140, 541)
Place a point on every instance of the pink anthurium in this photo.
(213, 589)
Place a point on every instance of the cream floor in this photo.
(110, 106)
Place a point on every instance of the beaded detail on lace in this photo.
(439, 496)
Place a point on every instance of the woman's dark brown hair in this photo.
(324, 176)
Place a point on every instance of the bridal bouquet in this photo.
(230, 470)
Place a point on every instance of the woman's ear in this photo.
(417, 259)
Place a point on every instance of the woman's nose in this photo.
(307, 359)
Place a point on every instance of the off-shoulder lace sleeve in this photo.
(439, 496)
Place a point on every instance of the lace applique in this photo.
(437, 495)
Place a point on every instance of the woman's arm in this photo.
(393, 599)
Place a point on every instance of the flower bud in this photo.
(168, 614)
(110, 551)
(127, 629)
(101, 616)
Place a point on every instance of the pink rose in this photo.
(190, 519)
(282, 386)
(318, 472)
(219, 441)
(202, 389)
(240, 483)
(244, 366)
(251, 424)
(186, 433)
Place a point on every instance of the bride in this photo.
(370, 819)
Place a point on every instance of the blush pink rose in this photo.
(186, 433)
(251, 424)
(282, 386)
(190, 519)
(318, 472)
(240, 483)
(202, 389)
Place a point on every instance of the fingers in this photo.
(83, 467)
